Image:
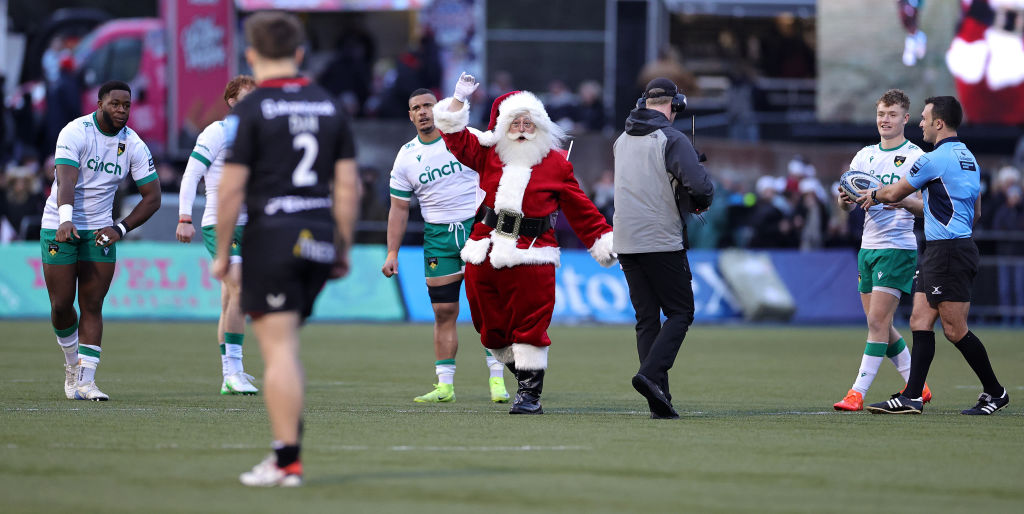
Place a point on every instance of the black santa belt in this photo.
(511, 224)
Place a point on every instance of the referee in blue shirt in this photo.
(948, 177)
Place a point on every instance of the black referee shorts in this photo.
(947, 270)
(285, 264)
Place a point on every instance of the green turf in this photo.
(757, 433)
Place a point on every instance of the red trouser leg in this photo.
(511, 305)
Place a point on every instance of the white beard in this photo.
(524, 153)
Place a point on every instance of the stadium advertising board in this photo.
(584, 291)
(201, 60)
(332, 5)
(172, 281)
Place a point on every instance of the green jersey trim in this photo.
(68, 162)
(146, 180)
(426, 143)
(401, 194)
(199, 157)
(904, 143)
(97, 122)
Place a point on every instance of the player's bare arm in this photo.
(230, 197)
(398, 220)
(142, 211)
(465, 87)
(891, 193)
(913, 204)
(67, 177)
(977, 209)
(345, 208)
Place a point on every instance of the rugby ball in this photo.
(854, 181)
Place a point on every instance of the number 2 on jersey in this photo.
(304, 176)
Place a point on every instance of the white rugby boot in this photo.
(267, 474)
(238, 383)
(89, 391)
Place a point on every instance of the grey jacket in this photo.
(658, 181)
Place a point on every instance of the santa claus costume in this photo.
(512, 253)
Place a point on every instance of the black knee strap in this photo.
(448, 293)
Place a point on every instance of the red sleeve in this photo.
(584, 218)
(466, 148)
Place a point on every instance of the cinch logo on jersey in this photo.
(109, 167)
(312, 250)
(431, 175)
(888, 178)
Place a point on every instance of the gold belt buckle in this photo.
(516, 221)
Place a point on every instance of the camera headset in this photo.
(670, 89)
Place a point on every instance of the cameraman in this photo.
(659, 180)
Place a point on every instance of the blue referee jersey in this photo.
(949, 178)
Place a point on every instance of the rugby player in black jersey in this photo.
(287, 143)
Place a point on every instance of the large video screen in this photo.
(973, 49)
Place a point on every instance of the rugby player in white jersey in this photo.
(447, 194)
(888, 252)
(79, 235)
(205, 163)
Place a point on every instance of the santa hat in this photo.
(515, 103)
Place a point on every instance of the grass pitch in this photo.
(757, 434)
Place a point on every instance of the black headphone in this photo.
(678, 100)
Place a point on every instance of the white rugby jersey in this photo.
(103, 160)
(888, 228)
(206, 162)
(446, 189)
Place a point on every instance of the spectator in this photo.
(770, 226)
(22, 202)
(590, 111)
(604, 194)
(1009, 216)
(668, 65)
(811, 216)
(63, 100)
(561, 104)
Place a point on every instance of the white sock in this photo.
(874, 352)
(89, 359)
(496, 367)
(902, 362)
(445, 370)
(70, 346)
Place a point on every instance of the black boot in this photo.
(527, 401)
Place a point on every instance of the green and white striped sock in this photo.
(869, 363)
(231, 353)
(900, 356)
(445, 370)
(89, 359)
(67, 338)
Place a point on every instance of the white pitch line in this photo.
(328, 448)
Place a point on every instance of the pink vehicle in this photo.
(133, 51)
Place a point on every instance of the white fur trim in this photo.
(487, 138)
(450, 122)
(512, 187)
(505, 254)
(475, 250)
(503, 355)
(966, 61)
(1006, 59)
(602, 251)
(529, 357)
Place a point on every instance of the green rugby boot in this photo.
(442, 393)
(498, 392)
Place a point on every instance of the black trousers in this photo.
(659, 282)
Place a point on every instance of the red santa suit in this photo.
(510, 282)
(986, 59)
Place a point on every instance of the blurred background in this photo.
(781, 96)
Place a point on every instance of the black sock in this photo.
(921, 355)
(974, 352)
(287, 454)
